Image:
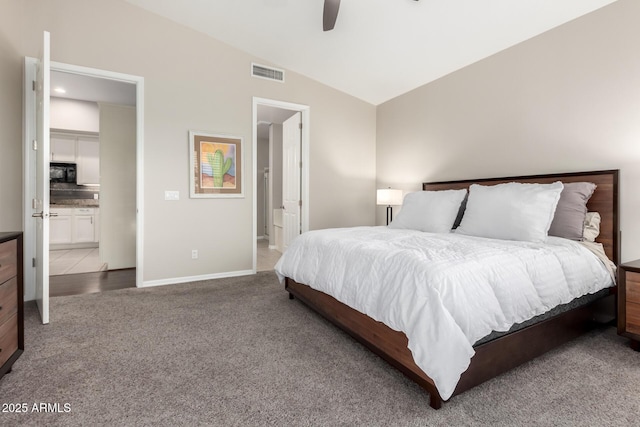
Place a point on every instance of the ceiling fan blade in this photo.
(330, 14)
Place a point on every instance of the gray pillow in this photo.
(568, 221)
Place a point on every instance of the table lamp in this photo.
(389, 196)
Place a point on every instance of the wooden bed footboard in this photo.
(379, 338)
(491, 359)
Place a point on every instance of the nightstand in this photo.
(629, 302)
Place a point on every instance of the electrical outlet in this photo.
(194, 254)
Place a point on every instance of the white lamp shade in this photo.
(389, 196)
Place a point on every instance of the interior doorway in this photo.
(270, 164)
(89, 80)
(92, 130)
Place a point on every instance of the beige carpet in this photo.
(238, 352)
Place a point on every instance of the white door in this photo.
(291, 169)
(41, 203)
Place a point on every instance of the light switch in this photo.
(172, 195)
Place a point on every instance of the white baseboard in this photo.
(62, 246)
(176, 280)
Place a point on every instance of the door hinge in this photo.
(33, 85)
(300, 203)
(33, 262)
(34, 145)
(300, 165)
(300, 125)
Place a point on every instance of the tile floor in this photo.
(72, 261)
(267, 258)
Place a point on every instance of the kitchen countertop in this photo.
(75, 203)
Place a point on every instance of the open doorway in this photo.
(96, 135)
(279, 174)
(93, 137)
(83, 112)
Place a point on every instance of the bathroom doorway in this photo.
(273, 178)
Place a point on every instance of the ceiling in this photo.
(86, 88)
(379, 49)
(267, 116)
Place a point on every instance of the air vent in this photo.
(268, 73)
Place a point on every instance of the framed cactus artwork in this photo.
(216, 165)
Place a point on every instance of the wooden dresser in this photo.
(11, 300)
(629, 302)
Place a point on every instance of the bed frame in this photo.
(508, 351)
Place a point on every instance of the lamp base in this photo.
(389, 214)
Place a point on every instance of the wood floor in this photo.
(88, 283)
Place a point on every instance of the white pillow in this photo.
(432, 211)
(511, 211)
(591, 226)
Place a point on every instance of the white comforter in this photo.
(444, 291)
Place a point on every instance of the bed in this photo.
(501, 350)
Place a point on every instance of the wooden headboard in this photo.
(604, 199)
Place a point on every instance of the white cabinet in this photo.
(83, 226)
(63, 148)
(69, 227)
(84, 150)
(60, 224)
(88, 159)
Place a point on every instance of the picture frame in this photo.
(216, 165)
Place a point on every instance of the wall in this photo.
(192, 82)
(75, 115)
(117, 189)
(11, 60)
(567, 100)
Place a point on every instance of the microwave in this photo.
(62, 172)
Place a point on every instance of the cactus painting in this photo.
(216, 167)
(219, 167)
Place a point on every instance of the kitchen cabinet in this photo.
(60, 226)
(84, 150)
(83, 226)
(73, 227)
(63, 148)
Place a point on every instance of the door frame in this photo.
(305, 112)
(28, 156)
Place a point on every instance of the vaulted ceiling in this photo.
(378, 49)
